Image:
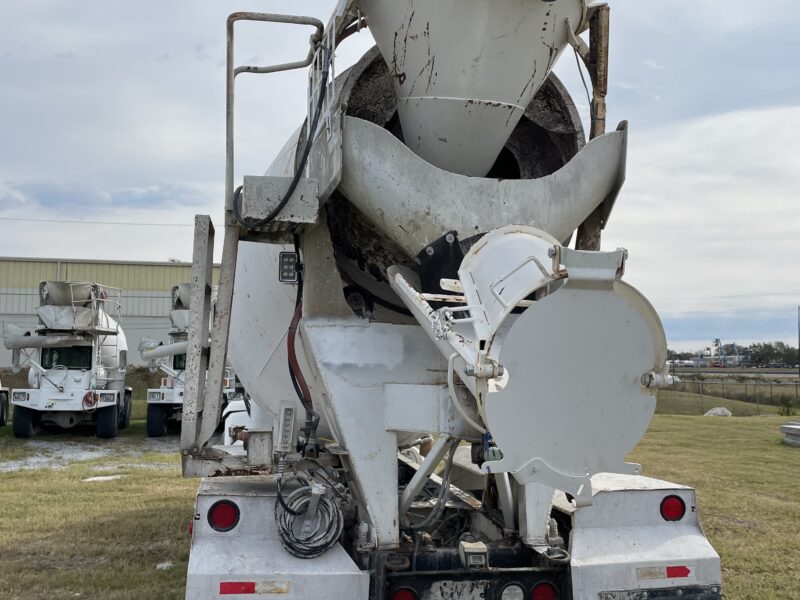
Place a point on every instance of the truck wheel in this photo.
(3, 409)
(125, 413)
(156, 420)
(22, 422)
(107, 422)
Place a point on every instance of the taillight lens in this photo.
(404, 594)
(223, 515)
(543, 591)
(673, 508)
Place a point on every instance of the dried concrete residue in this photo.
(164, 566)
(104, 478)
(59, 455)
(54, 455)
(159, 466)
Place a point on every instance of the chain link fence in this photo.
(750, 395)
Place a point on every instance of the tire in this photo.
(107, 422)
(22, 422)
(125, 419)
(3, 409)
(156, 420)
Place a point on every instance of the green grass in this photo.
(748, 489)
(61, 536)
(684, 403)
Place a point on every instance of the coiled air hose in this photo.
(304, 531)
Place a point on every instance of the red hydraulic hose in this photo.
(293, 364)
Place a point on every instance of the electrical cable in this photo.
(281, 501)
(585, 87)
(312, 132)
(444, 490)
(328, 525)
(454, 395)
(295, 373)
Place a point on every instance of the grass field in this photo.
(64, 537)
(683, 403)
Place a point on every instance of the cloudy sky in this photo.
(113, 111)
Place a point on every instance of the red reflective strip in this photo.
(237, 587)
(678, 572)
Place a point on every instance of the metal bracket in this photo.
(261, 194)
(595, 56)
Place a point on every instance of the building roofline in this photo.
(98, 262)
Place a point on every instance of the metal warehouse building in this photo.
(145, 288)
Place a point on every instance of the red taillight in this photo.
(404, 594)
(543, 591)
(673, 508)
(234, 588)
(223, 515)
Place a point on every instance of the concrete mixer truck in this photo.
(77, 356)
(446, 370)
(165, 403)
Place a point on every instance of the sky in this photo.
(113, 111)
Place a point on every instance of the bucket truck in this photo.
(446, 370)
(77, 356)
(165, 403)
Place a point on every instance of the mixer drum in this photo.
(466, 70)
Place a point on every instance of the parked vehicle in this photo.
(77, 356)
(165, 403)
(443, 392)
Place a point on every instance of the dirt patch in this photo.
(43, 454)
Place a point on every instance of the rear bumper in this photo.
(249, 561)
(165, 396)
(55, 401)
(710, 592)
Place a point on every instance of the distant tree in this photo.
(776, 352)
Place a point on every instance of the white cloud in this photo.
(710, 213)
(111, 96)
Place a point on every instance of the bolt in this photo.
(551, 252)
(429, 250)
(450, 238)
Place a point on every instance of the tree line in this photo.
(761, 354)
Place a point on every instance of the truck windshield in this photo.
(73, 357)
(179, 362)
